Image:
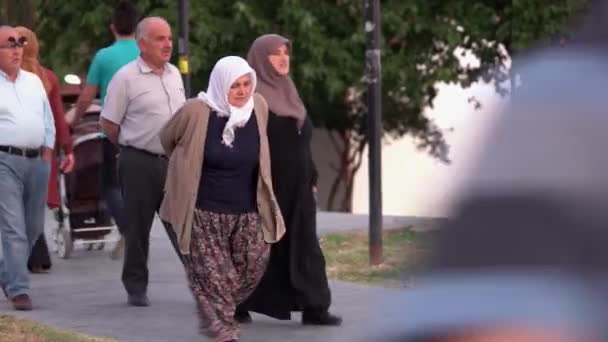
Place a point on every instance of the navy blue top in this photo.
(229, 178)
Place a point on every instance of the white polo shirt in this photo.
(141, 102)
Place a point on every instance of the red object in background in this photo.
(63, 137)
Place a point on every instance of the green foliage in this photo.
(422, 40)
(537, 19)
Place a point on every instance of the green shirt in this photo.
(108, 61)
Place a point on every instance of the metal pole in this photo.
(374, 113)
(182, 44)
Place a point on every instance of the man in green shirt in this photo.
(106, 63)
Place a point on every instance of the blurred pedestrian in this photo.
(105, 64)
(523, 256)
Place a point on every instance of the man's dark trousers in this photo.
(142, 178)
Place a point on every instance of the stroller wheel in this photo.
(63, 243)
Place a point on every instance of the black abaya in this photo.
(295, 279)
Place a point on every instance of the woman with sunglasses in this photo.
(40, 261)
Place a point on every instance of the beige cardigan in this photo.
(183, 139)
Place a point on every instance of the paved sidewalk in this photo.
(85, 293)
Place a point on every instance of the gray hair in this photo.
(141, 31)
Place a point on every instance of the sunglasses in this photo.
(13, 43)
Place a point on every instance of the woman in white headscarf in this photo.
(218, 194)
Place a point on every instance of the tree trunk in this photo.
(22, 13)
(9, 12)
(3, 14)
(29, 14)
(350, 149)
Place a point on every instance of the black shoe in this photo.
(320, 318)
(243, 317)
(139, 300)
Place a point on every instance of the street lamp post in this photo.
(182, 44)
(374, 113)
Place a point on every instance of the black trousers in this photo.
(39, 257)
(110, 185)
(142, 178)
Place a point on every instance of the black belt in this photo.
(23, 152)
(157, 155)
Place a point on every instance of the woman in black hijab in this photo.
(295, 279)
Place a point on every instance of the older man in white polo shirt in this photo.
(27, 137)
(141, 98)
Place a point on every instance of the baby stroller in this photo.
(83, 217)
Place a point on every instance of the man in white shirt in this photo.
(141, 97)
(27, 138)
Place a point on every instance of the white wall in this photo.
(415, 183)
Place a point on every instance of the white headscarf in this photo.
(225, 72)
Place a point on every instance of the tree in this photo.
(4, 9)
(17, 12)
(536, 21)
(421, 43)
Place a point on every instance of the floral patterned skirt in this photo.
(228, 257)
